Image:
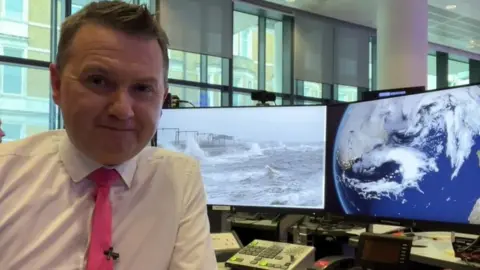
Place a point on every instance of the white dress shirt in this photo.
(46, 204)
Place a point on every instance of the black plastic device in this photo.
(383, 252)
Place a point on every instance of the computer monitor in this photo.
(270, 157)
(408, 158)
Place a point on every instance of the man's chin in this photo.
(114, 154)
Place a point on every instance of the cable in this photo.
(187, 102)
(469, 246)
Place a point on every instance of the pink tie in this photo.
(101, 232)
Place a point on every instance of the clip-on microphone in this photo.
(111, 255)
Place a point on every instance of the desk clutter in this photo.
(467, 249)
(406, 160)
(314, 243)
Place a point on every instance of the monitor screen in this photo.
(413, 157)
(253, 156)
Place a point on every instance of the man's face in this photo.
(2, 134)
(111, 92)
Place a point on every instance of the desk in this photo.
(438, 252)
(265, 224)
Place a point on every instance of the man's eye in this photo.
(143, 88)
(96, 80)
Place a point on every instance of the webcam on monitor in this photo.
(263, 96)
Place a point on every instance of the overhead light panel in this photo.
(450, 7)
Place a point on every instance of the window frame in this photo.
(23, 73)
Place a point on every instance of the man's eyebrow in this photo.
(95, 68)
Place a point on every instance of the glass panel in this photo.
(312, 89)
(76, 8)
(29, 108)
(243, 99)
(432, 72)
(347, 93)
(307, 102)
(370, 63)
(12, 79)
(458, 73)
(184, 66)
(274, 56)
(26, 27)
(245, 50)
(12, 131)
(215, 71)
(79, 4)
(14, 10)
(198, 98)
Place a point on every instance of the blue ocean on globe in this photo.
(413, 157)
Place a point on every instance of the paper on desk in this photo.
(377, 228)
(437, 248)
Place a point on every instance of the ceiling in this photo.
(457, 27)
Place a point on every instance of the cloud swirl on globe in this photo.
(411, 157)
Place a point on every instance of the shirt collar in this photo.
(79, 166)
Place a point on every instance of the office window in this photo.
(274, 56)
(215, 70)
(307, 102)
(13, 132)
(311, 89)
(145, 2)
(14, 9)
(32, 107)
(12, 79)
(431, 72)
(18, 33)
(347, 93)
(245, 50)
(458, 73)
(243, 99)
(187, 66)
(76, 8)
(245, 46)
(79, 4)
(196, 96)
(12, 74)
(184, 66)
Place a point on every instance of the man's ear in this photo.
(165, 95)
(55, 80)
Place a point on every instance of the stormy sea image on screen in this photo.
(413, 157)
(257, 156)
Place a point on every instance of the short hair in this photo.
(128, 18)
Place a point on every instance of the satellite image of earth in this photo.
(414, 157)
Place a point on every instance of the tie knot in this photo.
(104, 177)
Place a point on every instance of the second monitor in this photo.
(253, 156)
(412, 157)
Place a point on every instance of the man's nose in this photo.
(122, 105)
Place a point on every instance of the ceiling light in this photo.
(451, 7)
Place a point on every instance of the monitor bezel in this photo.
(331, 191)
(264, 208)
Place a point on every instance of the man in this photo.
(94, 196)
(2, 134)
